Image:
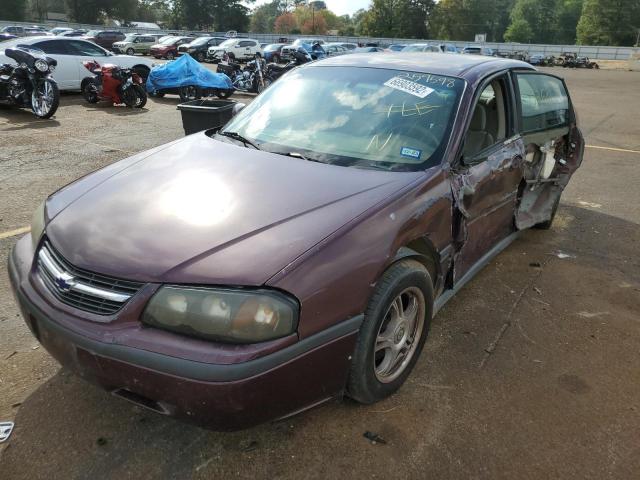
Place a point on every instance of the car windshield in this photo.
(130, 38)
(272, 47)
(228, 43)
(168, 40)
(200, 41)
(360, 117)
(92, 33)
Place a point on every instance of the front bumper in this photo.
(222, 396)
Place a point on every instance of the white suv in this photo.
(241, 48)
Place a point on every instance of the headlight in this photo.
(37, 225)
(52, 68)
(220, 314)
(41, 65)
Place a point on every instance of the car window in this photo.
(246, 43)
(360, 117)
(86, 49)
(52, 47)
(488, 125)
(544, 103)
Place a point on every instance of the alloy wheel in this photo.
(399, 334)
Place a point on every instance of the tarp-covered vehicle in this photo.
(187, 78)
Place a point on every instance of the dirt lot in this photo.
(559, 397)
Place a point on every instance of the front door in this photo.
(486, 179)
(66, 72)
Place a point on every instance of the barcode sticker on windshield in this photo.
(408, 86)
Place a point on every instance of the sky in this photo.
(339, 7)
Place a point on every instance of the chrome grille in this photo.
(84, 290)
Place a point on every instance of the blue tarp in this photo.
(183, 72)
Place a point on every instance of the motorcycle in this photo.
(29, 84)
(115, 84)
(251, 79)
(300, 57)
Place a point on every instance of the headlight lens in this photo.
(220, 314)
(41, 65)
(37, 225)
(52, 68)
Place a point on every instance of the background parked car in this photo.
(241, 48)
(16, 30)
(59, 30)
(74, 33)
(396, 47)
(168, 48)
(273, 52)
(6, 36)
(198, 47)
(104, 38)
(135, 43)
(477, 50)
(36, 32)
(333, 49)
(421, 47)
(313, 48)
(70, 53)
(368, 50)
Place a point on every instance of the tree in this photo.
(314, 26)
(609, 22)
(285, 23)
(568, 14)
(13, 10)
(540, 15)
(519, 31)
(397, 18)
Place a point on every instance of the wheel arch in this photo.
(422, 250)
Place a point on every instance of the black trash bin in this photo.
(198, 115)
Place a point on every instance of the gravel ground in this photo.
(557, 398)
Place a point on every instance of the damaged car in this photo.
(300, 252)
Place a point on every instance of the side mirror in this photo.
(237, 108)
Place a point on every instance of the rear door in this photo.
(553, 142)
(487, 176)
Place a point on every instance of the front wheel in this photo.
(134, 97)
(90, 91)
(395, 327)
(45, 98)
(170, 56)
(224, 93)
(200, 57)
(190, 92)
(131, 51)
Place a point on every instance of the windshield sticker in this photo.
(408, 86)
(428, 78)
(411, 152)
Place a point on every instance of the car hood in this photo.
(200, 210)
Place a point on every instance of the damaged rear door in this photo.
(553, 145)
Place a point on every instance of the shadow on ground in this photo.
(557, 398)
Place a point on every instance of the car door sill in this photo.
(479, 265)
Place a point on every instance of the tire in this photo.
(171, 56)
(276, 58)
(189, 93)
(157, 94)
(90, 91)
(131, 51)
(142, 96)
(45, 99)
(224, 93)
(372, 376)
(547, 224)
(266, 82)
(200, 57)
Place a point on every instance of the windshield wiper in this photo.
(240, 138)
(299, 155)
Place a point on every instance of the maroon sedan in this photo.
(299, 253)
(168, 48)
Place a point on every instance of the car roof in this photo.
(463, 66)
